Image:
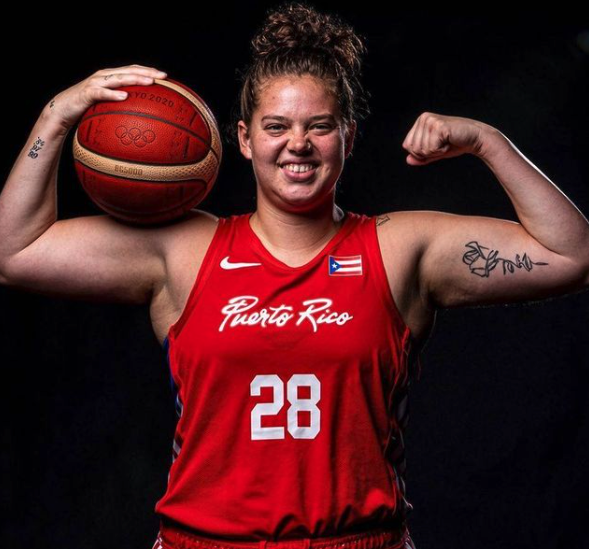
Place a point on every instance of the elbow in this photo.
(584, 272)
(581, 273)
(3, 277)
(6, 278)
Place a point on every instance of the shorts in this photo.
(173, 537)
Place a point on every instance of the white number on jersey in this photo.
(296, 405)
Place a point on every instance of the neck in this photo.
(295, 234)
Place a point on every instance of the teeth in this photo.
(298, 168)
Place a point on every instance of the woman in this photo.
(291, 332)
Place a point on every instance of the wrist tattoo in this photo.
(37, 145)
(482, 264)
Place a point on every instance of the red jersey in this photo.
(291, 391)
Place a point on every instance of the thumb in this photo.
(414, 161)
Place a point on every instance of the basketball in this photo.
(151, 157)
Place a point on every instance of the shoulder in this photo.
(401, 230)
(183, 244)
(402, 238)
(194, 231)
(201, 217)
(401, 242)
(195, 220)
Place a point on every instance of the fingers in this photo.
(99, 93)
(123, 79)
(106, 81)
(69, 105)
(127, 76)
(414, 141)
(134, 69)
(425, 139)
(420, 138)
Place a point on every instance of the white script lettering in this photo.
(317, 312)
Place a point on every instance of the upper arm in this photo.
(473, 260)
(91, 258)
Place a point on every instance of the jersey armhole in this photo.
(409, 344)
(201, 277)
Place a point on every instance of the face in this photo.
(297, 121)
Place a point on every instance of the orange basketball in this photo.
(150, 157)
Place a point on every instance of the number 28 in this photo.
(296, 405)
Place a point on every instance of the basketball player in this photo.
(292, 333)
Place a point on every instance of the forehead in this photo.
(293, 96)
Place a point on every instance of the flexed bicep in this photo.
(476, 260)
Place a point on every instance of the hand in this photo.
(435, 136)
(69, 105)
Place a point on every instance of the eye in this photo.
(279, 127)
(323, 127)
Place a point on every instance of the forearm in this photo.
(28, 202)
(542, 208)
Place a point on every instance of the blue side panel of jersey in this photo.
(173, 385)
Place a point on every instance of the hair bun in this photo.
(296, 26)
(296, 39)
(291, 26)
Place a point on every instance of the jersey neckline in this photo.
(259, 245)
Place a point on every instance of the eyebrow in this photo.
(285, 119)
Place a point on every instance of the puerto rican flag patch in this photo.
(345, 265)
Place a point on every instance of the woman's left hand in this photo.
(435, 136)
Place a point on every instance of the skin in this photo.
(295, 220)
(433, 259)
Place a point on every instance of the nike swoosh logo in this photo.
(226, 264)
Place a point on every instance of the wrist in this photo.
(492, 142)
(51, 120)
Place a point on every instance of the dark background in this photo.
(498, 440)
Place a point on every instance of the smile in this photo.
(298, 172)
(298, 168)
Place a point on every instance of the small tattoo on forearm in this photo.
(52, 104)
(382, 219)
(482, 264)
(36, 147)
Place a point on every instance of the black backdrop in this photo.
(498, 440)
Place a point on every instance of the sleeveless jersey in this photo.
(290, 387)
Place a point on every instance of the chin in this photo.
(303, 201)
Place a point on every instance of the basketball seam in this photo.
(132, 113)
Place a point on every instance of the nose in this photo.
(299, 143)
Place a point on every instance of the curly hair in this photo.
(295, 39)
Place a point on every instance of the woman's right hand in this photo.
(72, 103)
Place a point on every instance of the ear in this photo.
(244, 139)
(350, 134)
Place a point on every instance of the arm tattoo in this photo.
(481, 264)
(36, 147)
(382, 219)
(52, 104)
